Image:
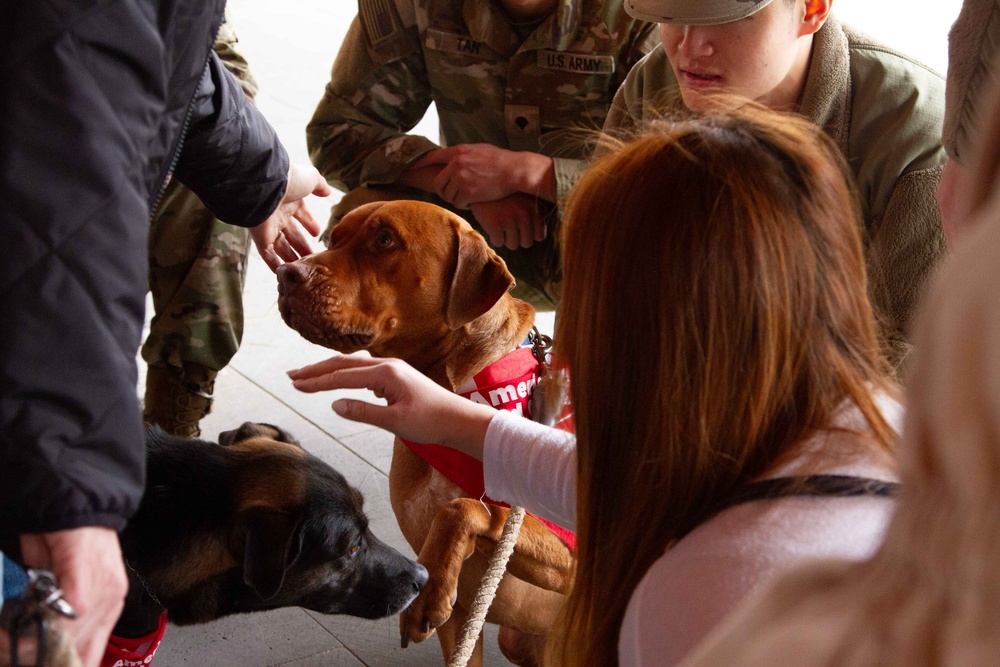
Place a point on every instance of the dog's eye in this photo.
(383, 239)
(354, 551)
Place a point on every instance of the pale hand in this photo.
(511, 222)
(417, 409)
(88, 566)
(280, 238)
(475, 173)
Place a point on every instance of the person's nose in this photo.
(696, 42)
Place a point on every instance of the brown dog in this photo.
(411, 280)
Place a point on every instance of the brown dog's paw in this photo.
(429, 611)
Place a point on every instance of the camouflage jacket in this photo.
(225, 47)
(541, 94)
(885, 112)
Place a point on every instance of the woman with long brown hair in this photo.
(732, 406)
(931, 594)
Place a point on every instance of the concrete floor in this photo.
(290, 47)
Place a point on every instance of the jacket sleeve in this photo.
(231, 157)
(894, 149)
(357, 136)
(75, 110)
(903, 254)
(625, 116)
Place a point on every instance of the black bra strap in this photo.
(837, 486)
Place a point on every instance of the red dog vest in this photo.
(506, 384)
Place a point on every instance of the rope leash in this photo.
(487, 588)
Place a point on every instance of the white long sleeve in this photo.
(534, 466)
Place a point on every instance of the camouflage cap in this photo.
(693, 12)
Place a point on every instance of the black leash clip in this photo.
(540, 346)
(41, 603)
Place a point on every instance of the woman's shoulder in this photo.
(695, 584)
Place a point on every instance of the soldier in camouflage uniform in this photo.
(518, 86)
(197, 268)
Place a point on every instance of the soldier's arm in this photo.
(894, 149)
(622, 122)
(378, 91)
(902, 254)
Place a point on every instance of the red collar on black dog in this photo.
(134, 652)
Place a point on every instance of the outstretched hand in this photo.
(417, 409)
(280, 238)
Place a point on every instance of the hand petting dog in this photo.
(417, 409)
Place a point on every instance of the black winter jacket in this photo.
(94, 96)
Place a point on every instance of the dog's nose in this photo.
(420, 577)
(293, 273)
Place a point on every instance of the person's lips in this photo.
(697, 78)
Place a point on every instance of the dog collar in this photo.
(134, 651)
(506, 384)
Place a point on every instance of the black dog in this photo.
(253, 523)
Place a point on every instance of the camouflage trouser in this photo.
(536, 269)
(197, 267)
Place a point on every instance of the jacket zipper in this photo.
(177, 152)
(184, 128)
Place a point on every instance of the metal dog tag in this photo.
(550, 396)
(548, 400)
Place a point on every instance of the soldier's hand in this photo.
(280, 237)
(512, 221)
(477, 173)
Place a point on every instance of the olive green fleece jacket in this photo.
(885, 112)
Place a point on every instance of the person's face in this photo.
(761, 57)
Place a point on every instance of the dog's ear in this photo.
(270, 548)
(246, 430)
(481, 278)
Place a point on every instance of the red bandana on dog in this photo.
(134, 652)
(506, 384)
